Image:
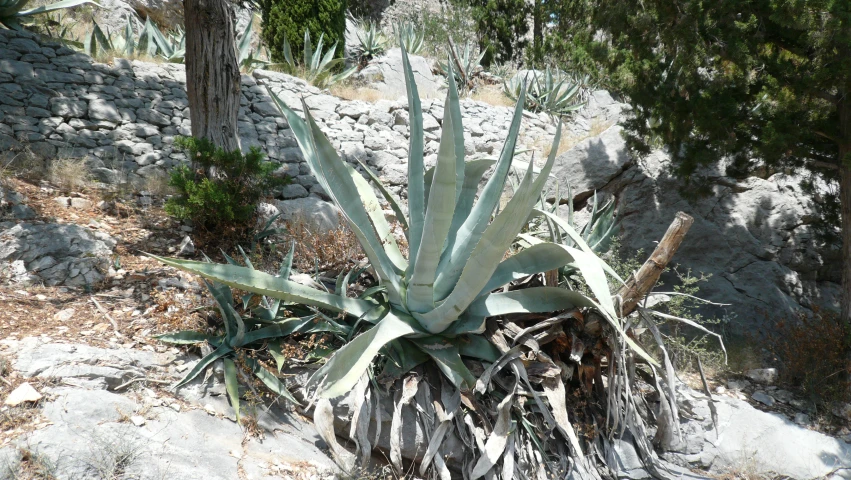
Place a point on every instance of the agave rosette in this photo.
(437, 299)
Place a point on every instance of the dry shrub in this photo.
(69, 173)
(330, 251)
(492, 95)
(813, 351)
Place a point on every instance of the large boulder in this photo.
(761, 443)
(55, 254)
(755, 237)
(387, 75)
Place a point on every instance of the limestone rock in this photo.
(24, 393)
(765, 376)
(319, 214)
(386, 75)
(56, 253)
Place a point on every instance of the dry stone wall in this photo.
(123, 118)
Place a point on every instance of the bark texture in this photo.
(642, 282)
(212, 71)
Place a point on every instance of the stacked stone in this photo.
(123, 118)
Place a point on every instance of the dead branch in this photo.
(640, 284)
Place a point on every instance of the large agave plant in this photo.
(436, 299)
(553, 92)
(452, 302)
(12, 12)
(317, 66)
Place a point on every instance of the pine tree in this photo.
(290, 18)
(501, 26)
(760, 83)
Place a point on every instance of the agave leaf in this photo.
(204, 363)
(342, 371)
(243, 48)
(445, 355)
(491, 247)
(477, 346)
(223, 297)
(395, 203)
(308, 48)
(472, 176)
(416, 181)
(403, 357)
(278, 354)
(186, 337)
(538, 258)
(239, 335)
(577, 238)
(379, 221)
(534, 300)
(270, 380)
(232, 385)
(439, 212)
(460, 246)
(454, 108)
(264, 284)
(288, 53)
(330, 170)
(129, 40)
(345, 194)
(54, 6)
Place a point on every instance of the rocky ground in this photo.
(86, 389)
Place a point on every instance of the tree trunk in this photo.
(212, 71)
(537, 32)
(844, 110)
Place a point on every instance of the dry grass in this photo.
(158, 186)
(492, 95)
(69, 173)
(568, 141)
(348, 91)
(330, 251)
(813, 354)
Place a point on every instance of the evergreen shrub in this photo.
(221, 189)
(290, 18)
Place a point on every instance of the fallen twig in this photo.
(139, 379)
(107, 315)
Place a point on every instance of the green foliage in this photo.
(553, 92)
(371, 40)
(221, 188)
(238, 337)
(463, 65)
(410, 37)
(288, 20)
(777, 75)
(317, 66)
(501, 26)
(13, 16)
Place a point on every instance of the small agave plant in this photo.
(317, 66)
(371, 40)
(552, 92)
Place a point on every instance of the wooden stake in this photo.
(640, 284)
